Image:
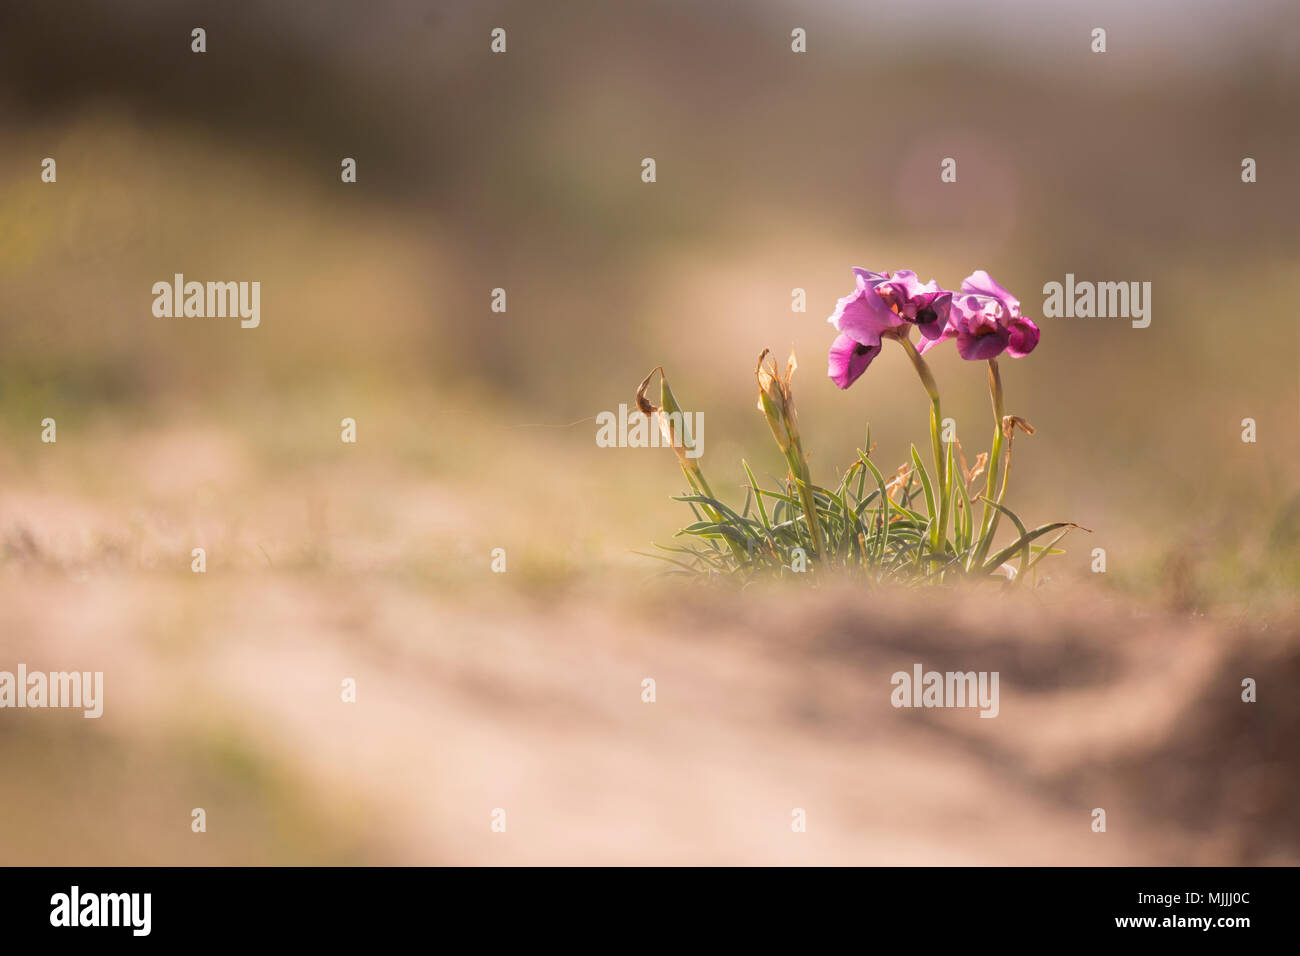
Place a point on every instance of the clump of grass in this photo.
(917, 527)
(879, 527)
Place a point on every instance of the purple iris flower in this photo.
(882, 304)
(985, 320)
(861, 317)
(848, 359)
(924, 305)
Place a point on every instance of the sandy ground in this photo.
(223, 692)
(522, 691)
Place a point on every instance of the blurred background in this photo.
(775, 171)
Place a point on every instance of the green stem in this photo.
(803, 481)
(696, 477)
(989, 520)
(939, 532)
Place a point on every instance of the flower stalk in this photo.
(939, 532)
(674, 425)
(776, 402)
(675, 428)
(989, 519)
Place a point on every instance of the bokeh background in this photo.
(775, 170)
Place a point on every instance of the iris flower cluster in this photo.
(983, 317)
(919, 525)
(985, 320)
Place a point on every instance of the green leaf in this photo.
(1046, 549)
(714, 503)
(758, 496)
(965, 525)
(662, 557)
(929, 497)
(996, 561)
(884, 499)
